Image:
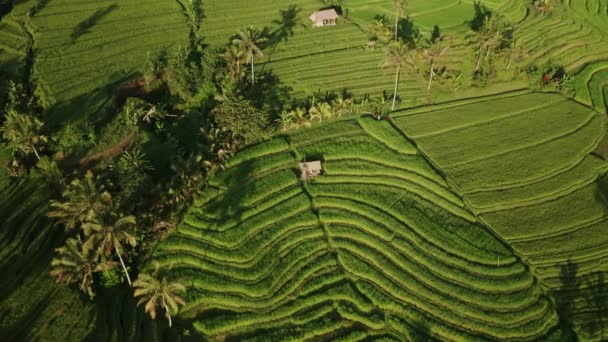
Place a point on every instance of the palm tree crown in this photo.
(107, 236)
(158, 293)
(250, 41)
(75, 263)
(82, 202)
(22, 133)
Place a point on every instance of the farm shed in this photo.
(324, 18)
(310, 169)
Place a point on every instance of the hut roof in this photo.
(327, 14)
(313, 166)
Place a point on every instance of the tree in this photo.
(22, 133)
(233, 57)
(240, 117)
(487, 37)
(74, 263)
(436, 47)
(250, 41)
(514, 52)
(380, 31)
(398, 56)
(158, 293)
(81, 202)
(285, 120)
(341, 105)
(321, 111)
(299, 117)
(399, 7)
(108, 234)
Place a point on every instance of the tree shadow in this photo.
(40, 5)
(283, 28)
(482, 13)
(290, 19)
(269, 93)
(408, 32)
(84, 26)
(582, 301)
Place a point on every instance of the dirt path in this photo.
(110, 152)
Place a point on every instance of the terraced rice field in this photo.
(85, 48)
(577, 38)
(523, 162)
(337, 58)
(14, 41)
(379, 246)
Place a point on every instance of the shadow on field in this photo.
(40, 5)
(408, 32)
(84, 27)
(584, 299)
(239, 185)
(482, 13)
(283, 28)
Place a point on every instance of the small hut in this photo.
(322, 18)
(310, 170)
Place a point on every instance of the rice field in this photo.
(524, 165)
(85, 49)
(377, 247)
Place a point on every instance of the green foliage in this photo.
(111, 278)
(74, 138)
(22, 134)
(133, 173)
(243, 119)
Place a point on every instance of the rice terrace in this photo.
(305, 170)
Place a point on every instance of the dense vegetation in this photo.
(150, 158)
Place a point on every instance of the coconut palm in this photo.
(399, 7)
(22, 133)
(233, 56)
(398, 56)
(487, 38)
(75, 263)
(81, 202)
(380, 31)
(158, 293)
(108, 234)
(432, 52)
(321, 111)
(250, 41)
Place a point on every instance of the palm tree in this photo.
(75, 263)
(22, 133)
(398, 56)
(233, 57)
(380, 31)
(251, 42)
(435, 50)
(107, 236)
(487, 38)
(158, 293)
(514, 52)
(399, 6)
(321, 111)
(82, 202)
